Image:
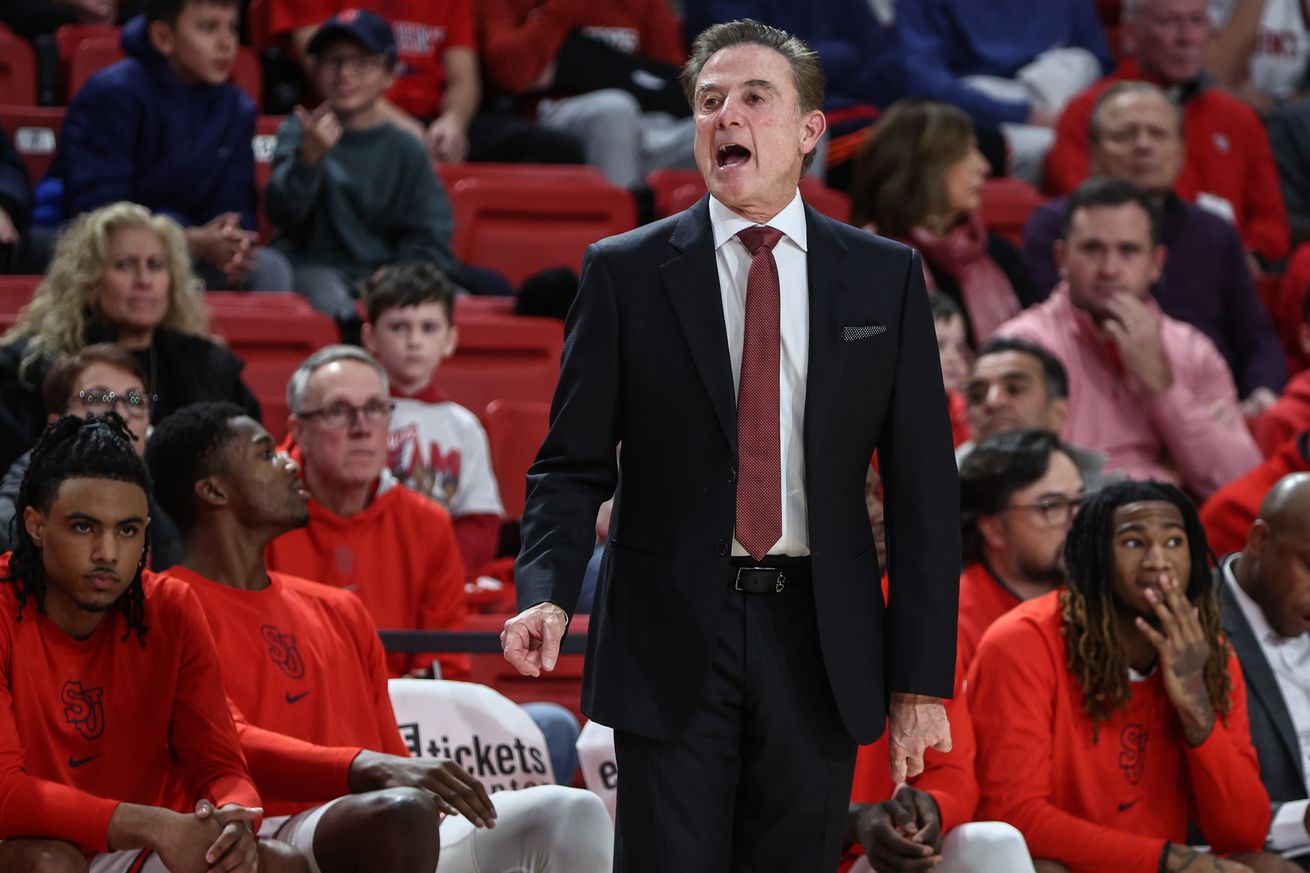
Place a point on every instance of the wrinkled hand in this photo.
(1135, 329)
(916, 723)
(1183, 649)
(1257, 402)
(8, 232)
(223, 243)
(901, 834)
(531, 639)
(454, 789)
(233, 819)
(320, 131)
(447, 140)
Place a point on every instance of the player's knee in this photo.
(557, 809)
(404, 809)
(50, 856)
(276, 856)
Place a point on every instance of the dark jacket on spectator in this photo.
(1206, 283)
(180, 368)
(135, 132)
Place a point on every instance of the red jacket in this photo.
(1228, 155)
(1228, 514)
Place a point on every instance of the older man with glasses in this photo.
(100, 378)
(367, 533)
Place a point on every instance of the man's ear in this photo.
(1059, 251)
(1056, 414)
(34, 524)
(452, 342)
(369, 338)
(992, 531)
(211, 491)
(815, 125)
(161, 37)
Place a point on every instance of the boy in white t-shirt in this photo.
(436, 447)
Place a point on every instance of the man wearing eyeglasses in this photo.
(367, 533)
(100, 378)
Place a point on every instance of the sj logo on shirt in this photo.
(283, 650)
(84, 709)
(1132, 751)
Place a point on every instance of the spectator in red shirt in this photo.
(1229, 166)
(438, 91)
(1229, 512)
(1290, 413)
(1110, 715)
(115, 739)
(607, 72)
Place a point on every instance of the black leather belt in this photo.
(769, 579)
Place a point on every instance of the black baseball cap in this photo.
(359, 25)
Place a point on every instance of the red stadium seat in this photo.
(675, 190)
(1006, 205)
(515, 429)
(503, 358)
(69, 41)
(472, 306)
(17, 69)
(518, 229)
(94, 53)
(563, 685)
(248, 74)
(272, 333)
(257, 20)
(34, 131)
(581, 174)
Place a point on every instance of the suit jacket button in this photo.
(732, 475)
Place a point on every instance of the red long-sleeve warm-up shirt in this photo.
(1106, 805)
(313, 689)
(88, 724)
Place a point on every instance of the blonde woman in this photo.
(121, 275)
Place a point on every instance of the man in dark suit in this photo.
(740, 645)
(1267, 621)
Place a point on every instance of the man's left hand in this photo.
(454, 789)
(1258, 401)
(917, 722)
(901, 834)
(446, 139)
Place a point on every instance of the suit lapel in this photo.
(827, 290)
(699, 306)
(1259, 675)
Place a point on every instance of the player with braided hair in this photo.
(1110, 715)
(117, 749)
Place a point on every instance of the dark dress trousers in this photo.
(709, 728)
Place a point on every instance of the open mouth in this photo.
(732, 155)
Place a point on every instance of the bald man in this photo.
(1267, 620)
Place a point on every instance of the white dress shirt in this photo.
(1289, 659)
(734, 263)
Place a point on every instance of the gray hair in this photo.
(299, 382)
(1129, 86)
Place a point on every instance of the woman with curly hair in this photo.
(918, 180)
(122, 275)
(1111, 714)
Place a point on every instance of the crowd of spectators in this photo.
(1126, 405)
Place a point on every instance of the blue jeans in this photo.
(561, 730)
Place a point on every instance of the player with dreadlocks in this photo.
(1111, 714)
(117, 749)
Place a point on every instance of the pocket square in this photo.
(854, 332)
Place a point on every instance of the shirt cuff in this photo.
(1287, 830)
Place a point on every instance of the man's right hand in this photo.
(181, 841)
(455, 790)
(531, 639)
(319, 132)
(901, 834)
(222, 243)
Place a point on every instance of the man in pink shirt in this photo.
(1151, 392)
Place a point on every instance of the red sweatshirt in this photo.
(1230, 511)
(520, 38)
(314, 670)
(1287, 417)
(399, 555)
(1105, 806)
(88, 724)
(1228, 155)
(983, 599)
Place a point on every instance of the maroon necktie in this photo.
(759, 489)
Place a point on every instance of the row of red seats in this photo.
(85, 49)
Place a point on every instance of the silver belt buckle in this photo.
(737, 582)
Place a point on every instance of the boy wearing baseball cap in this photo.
(349, 191)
